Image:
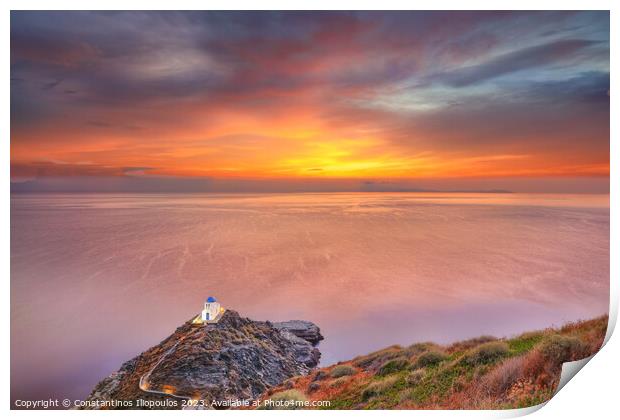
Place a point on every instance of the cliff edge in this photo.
(234, 359)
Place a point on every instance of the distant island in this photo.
(238, 359)
(178, 185)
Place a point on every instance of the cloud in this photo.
(42, 169)
(51, 85)
(554, 53)
(276, 94)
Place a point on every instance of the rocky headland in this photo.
(234, 359)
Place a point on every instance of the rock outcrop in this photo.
(235, 359)
(302, 329)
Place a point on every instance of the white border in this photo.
(593, 395)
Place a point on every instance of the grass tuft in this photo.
(379, 387)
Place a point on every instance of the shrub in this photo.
(394, 365)
(500, 379)
(415, 377)
(419, 348)
(430, 358)
(313, 386)
(378, 387)
(558, 349)
(486, 353)
(320, 375)
(544, 363)
(534, 363)
(377, 358)
(291, 399)
(342, 370)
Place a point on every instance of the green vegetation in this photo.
(342, 370)
(480, 373)
(419, 348)
(430, 358)
(379, 387)
(524, 342)
(486, 353)
(393, 366)
(378, 358)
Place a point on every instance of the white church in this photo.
(211, 313)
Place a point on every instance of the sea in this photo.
(98, 278)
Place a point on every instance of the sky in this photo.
(310, 101)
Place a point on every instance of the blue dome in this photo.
(211, 299)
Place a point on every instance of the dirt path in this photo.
(144, 383)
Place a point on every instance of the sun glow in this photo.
(317, 100)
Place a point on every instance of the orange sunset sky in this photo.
(310, 101)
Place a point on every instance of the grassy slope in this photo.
(480, 373)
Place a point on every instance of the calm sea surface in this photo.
(96, 279)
